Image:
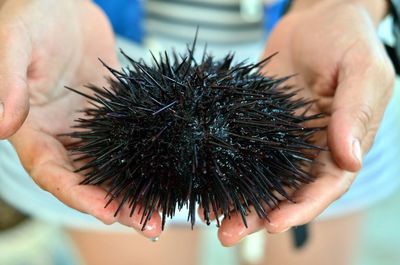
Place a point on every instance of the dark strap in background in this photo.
(300, 236)
(394, 52)
(287, 7)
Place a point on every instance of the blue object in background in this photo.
(272, 14)
(126, 17)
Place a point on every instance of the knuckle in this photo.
(343, 186)
(363, 115)
(383, 69)
(39, 178)
(386, 73)
(339, 183)
(11, 124)
(6, 131)
(390, 72)
(44, 179)
(376, 65)
(390, 76)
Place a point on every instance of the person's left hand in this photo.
(40, 53)
(339, 60)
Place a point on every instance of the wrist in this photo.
(377, 9)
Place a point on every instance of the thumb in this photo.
(14, 98)
(357, 109)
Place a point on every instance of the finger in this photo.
(357, 109)
(153, 225)
(233, 230)
(312, 199)
(15, 50)
(64, 185)
(47, 162)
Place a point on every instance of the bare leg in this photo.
(332, 242)
(176, 246)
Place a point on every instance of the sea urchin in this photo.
(181, 133)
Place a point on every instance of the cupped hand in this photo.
(45, 45)
(340, 62)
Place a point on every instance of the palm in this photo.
(69, 58)
(338, 61)
(310, 73)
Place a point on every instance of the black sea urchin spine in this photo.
(181, 133)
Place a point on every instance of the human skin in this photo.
(44, 45)
(333, 48)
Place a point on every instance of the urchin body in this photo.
(181, 133)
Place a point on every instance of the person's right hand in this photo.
(45, 45)
(341, 63)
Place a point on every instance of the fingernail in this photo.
(149, 227)
(357, 150)
(275, 229)
(1, 110)
(151, 231)
(234, 234)
(284, 230)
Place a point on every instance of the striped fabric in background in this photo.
(220, 21)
